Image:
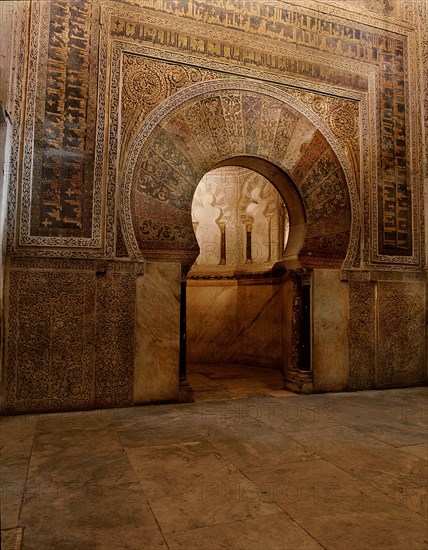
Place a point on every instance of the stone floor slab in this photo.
(191, 485)
(335, 471)
(339, 510)
(395, 473)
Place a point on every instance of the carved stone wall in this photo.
(387, 331)
(402, 318)
(70, 335)
(362, 335)
(114, 350)
(351, 61)
(119, 107)
(50, 340)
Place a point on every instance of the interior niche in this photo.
(240, 221)
(234, 311)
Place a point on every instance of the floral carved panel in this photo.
(51, 333)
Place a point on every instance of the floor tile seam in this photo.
(290, 432)
(408, 508)
(317, 455)
(223, 401)
(371, 485)
(357, 401)
(232, 522)
(284, 400)
(280, 512)
(240, 470)
(390, 414)
(382, 440)
(296, 461)
(392, 419)
(328, 459)
(212, 389)
(296, 522)
(227, 463)
(367, 437)
(345, 400)
(156, 520)
(142, 489)
(248, 471)
(411, 445)
(271, 427)
(260, 420)
(192, 442)
(408, 453)
(224, 459)
(256, 484)
(287, 428)
(150, 420)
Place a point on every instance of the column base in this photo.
(299, 382)
(185, 392)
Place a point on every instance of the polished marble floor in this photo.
(266, 472)
(219, 381)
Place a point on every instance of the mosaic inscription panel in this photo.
(64, 146)
(168, 167)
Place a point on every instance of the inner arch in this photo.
(240, 220)
(248, 124)
(289, 193)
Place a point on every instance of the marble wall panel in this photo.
(259, 325)
(157, 338)
(401, 328)
(211, 321)
(330, 361)
(232, 321)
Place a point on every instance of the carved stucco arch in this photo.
(185, 137)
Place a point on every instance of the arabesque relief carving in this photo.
(70, 342)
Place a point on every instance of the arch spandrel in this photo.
(216, 122)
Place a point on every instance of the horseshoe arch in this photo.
(245, 123)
